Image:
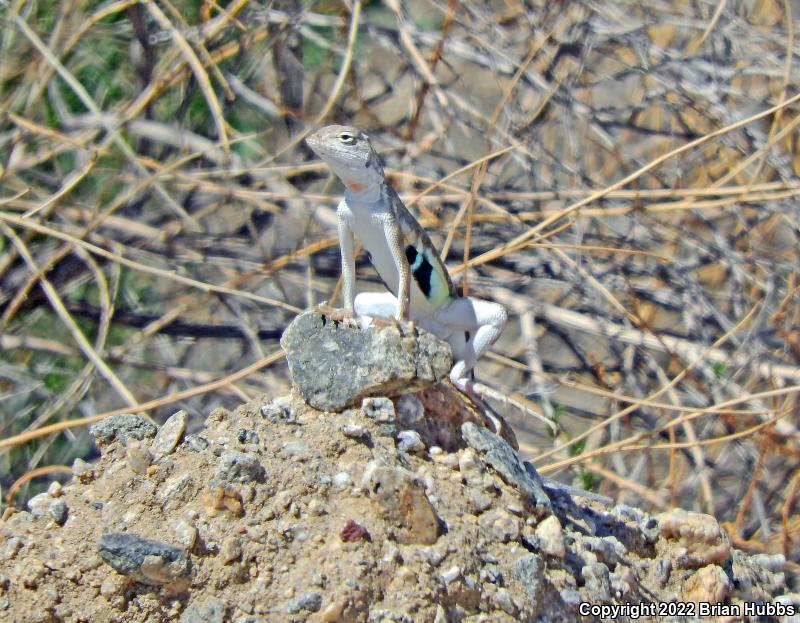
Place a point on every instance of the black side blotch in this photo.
(422, 275)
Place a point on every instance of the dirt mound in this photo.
(280, 512)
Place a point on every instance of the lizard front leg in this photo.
(394, 240)
(346, 246)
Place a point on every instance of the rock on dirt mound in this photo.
(281, 512)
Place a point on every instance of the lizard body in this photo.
(420, 288)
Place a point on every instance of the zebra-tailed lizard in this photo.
(420, 289)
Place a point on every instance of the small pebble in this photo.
(410, 441)
(235, 466)
(341, 481)
(353, 531)
(333, 612)
(39, 504)
(354, 431)
(230, 550)
(310, 601)
(491, 574)
(169, 435)
(316, 507)
(58, 511)
(478, 501)
(449, 459)
(283, 500)
(551, 537)
(196, 443)
(502, 599)
(451, 575)
(279, 409)
(185, 533)
(83, 471)
(210, 610)
(245, 435)
(380, 409)
(122, 427)
(138, 457)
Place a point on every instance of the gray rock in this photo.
(354, 431)
(169, 435)
(211, 610)
(279, 410)
(149, 562)
(597, 582)
(379, 408)
(58, 510)
(334, 366)
(491, 574)
(502, 457)
(235, 466)
(122, 427)
(196, 443)
(39, 504)
(410, 441)
(245, 435)
(608, 549)
(310, 601)
(538, 594)
(571, 597)
(44, 504)
(529, 571)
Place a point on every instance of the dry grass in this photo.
(624, 179)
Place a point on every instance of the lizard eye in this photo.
(347, 138)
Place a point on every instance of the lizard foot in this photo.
(405, 327)
(343, 316)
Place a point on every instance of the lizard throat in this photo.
(355, 186)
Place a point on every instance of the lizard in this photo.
(420, 288)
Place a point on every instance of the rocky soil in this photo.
(279, 511)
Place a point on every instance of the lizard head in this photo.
(349, 154)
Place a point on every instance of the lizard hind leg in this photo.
(370, 305)
(476, 326)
